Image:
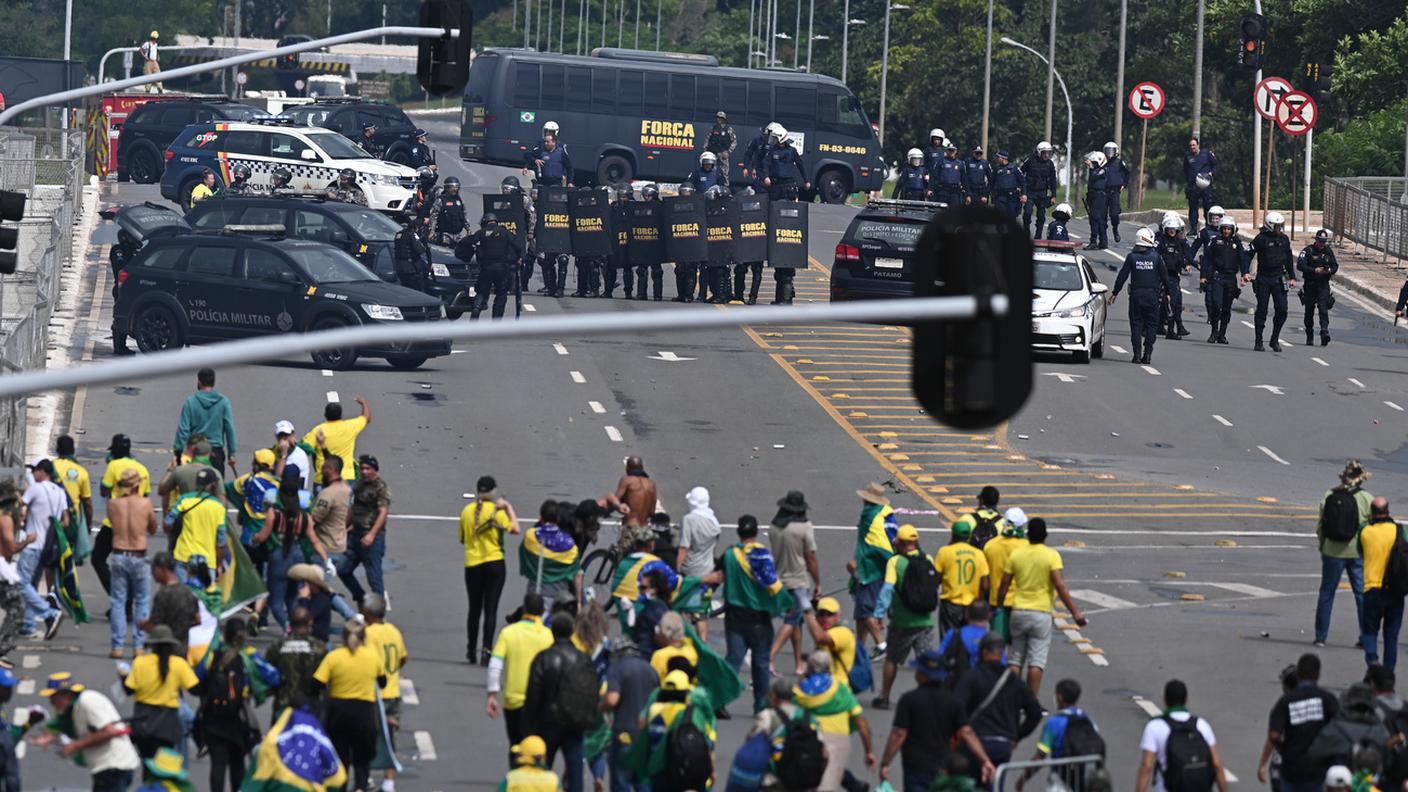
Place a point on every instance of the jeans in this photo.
(281, 594)
(339, 602)
(622, 779)
(369, 558)
(742, 636)
(574, 769)
(129, 580)
(113, 780)
(1381, 607)
(1331, 569)
(918, 780)
(483, 583)
(36, 608)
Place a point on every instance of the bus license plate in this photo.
(889, 263)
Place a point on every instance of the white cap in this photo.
(1338, 777)
(283, 427)
(1016, 516)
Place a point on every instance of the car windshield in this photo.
(310, 116)
(1057, 276)
(337, 146)
(329, 265)
(372, 226)
(888, 234)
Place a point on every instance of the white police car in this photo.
(312, 155)
(1068, 302)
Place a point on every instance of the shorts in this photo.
(1000, 617)
(951, 616)
(867, 596)
(797, 615)
(1031, 638)
(901, 640)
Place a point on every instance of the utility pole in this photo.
(330, 17)
(1256, 153)
(797, 40)
(846, 42)
(752, 6)
(1051, 72)
(527, 22)
(1198, 74)
(659, 5)
(1119, 78)
(811, 16)
(884, 71)
(987, 80)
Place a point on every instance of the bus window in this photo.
(481, 79)
(734, 100)
(656, 89)
(628, 95)
(681, 96)
(526, 83)
(706, 96)
(840, 113)
(603, 90)
(795, 105)
(759, 102)
(579, 88)
(552, 88)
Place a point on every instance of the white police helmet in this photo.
(708, 158)
(1227, 222)
(550, 128)
(1111, 148)
(1171, 220)
(1274, 219)
(1215, 211)
(937, 133)
(1063, 208)
(1044, 148)
(1097, 158)
(915, 156)
(1144, 237)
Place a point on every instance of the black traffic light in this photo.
(1254, 29)
(977, 372)
(1317, 80)
(442, 64)
(12, 210)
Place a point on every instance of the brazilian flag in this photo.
(66, 576)
(295, 756)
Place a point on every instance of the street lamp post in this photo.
(885, 63)
(846, 39)
(987, 79)
(1119, 79)
(1050, 59)
(1069, 114)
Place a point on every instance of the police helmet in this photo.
(1144, 237)
(686, 189)
(489, 219)
(1203, 181)
(915, 156)
(550, 128)
(1044, 148)
(1062, 211)
(977, 149)
(1322, 237)
(1274, 219)
(368, 127)
(281, 176)
(452, 182)
(347, 173)
(650, 192)
(1172, 222)
(1110, 149)
(1096, 158)
(950, 146)
(1004, 154)
(1215, 211)
(937, 133)
(707, 159)
(1227, 222)
(242, 172)
(420, 133)
(624, 190)
(510, 184)
(717, 191)
(426, 175)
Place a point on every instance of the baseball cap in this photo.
(963, 526)
(369, 461)
(930, 664)
(907, 533)
(283, 427)
(1016, 516)
(265, 456)
(206, 477)
(1339, 777)
(677, 680)
(828, 604)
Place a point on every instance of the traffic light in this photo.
(974, 373)
(1316, 81)
(442, 64)
(1254, 30)
(12, 210)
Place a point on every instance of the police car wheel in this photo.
(833, 187)
(399, 156)
(144, 167)
(156, 329)
(407, 362)
(342, 359)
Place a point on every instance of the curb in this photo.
(1387, 302)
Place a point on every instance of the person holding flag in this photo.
(662, 590)
(670, 708)
(296, 756)
(625, 584)
(255, 495)
(76, 481)
(753, 595)
(875, 543)
(549, 558)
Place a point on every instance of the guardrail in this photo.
(1073, 773)
(1372, 211)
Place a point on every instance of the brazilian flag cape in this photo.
(875, 536)
(66, 575)
(561, 559)
(822, 695)
(750, 580)
(626, 582)
(714, 675)
(295, 756)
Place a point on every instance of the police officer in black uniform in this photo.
(753, 158)
(347, 189)
(448, 224)
(782, 161)
(1318, 265)
(531, 254)
(1056, 231)
(1040, 175)
(498, 252)
(740, 271)
(713, 278)
(1144, 269)
(686, 272)
(549, 163)
(420, 203)
(934, 153)
(279, 180)
(1204, 236)
(977, 178)
(369, 143)
(620, 232)
(239, 184)
(1199, 169)
(707, 175)
(1224, 262)
(1009, 189)
(946, 179)
(1116, 178)
(1274, 267)
(412, 259)
(420, 150)
(721, 142)
(1173, 249)
(649, 192)
(912, 183)
(1095, 200)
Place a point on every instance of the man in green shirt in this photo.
(1340, 556)
(909, 628)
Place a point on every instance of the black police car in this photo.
(196, 287)
(366, 235)
(874, 258)
(151, 128)
(395, 132)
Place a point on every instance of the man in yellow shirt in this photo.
(337, 435)
(75, 479)
(388, 642)
(1014, 535)
(119, 460)
(830, 634)
(963, 576)
(510, 663)
(1034, 572)
(669, 635)
(530, 775)
(1381, 606)
(200, 519)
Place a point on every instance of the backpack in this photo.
(574, 707)
(1339, 519)
(984, 528)
(1081, 738)
(803, 759)
(862, 676)
(689, 761)
(956, 660)
(1187, 758)
(919, 589)
(1396, 570)
(750, 764)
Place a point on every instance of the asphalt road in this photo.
(1163, 513)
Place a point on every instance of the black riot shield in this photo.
(645, 247)
(684, 228)
(512, 214)
(620, 233)
(752, 241)
(787, 234)
(722, 216)
(591, 223)
(554, 233)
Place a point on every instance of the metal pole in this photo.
(581, 14)
(621, 24)
(811, 17)
(68, 51)
(1051, 70)
(752, 6)
(527, 20)
(1256, 152)
(987, 79)
(547, 37)
(383, 20)
(1070, 115)
(846, 43)
(1198, 74)
(637, 44)
(1143, 149)
(884, 72)
(771, 48)
(329, 17)
(659, 6)
(605, 19)
(1119, 78)
(562, 27)
(1309, 150)
(797, 40)
(513, 25)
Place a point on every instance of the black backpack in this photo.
(984, 529)
(803, 760)
(1396, 571)
(1081, 738)
(574, 707)
(1187, 758)
(689, 762)
(919, 589)
(1339, 520)
(956, 660)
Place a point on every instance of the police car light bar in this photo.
(1054, 244)
(903, 203)
(273, 120)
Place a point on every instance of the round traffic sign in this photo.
(1268, 92)
(241, 78)
(1296, 113)
(1147, 100)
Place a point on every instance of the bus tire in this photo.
(614, 169)
(833, 186)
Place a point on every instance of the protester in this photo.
(174, 605)
(530, 772)
(829, 699)
(293, 541)
(1393, 711)
(963, 655)
(1011, 712)
(751, 599)
(699, 535)
(670, 638)
(337, 436)
(928, 722)
(366, 541)
(75, 480)
(1034, 572)
(1381, 606)
(629, 683)
(387, 642)
(673, 711)
(1069, 732)
(997, 550)
(208, 412)
(911, 608)
(311, 590)
(330, 524)
(794, 550)
(875, 536)
(1344, 512)
(352, 673)
(1356, 723)
(97, 736)
(45, 508)
(549, 558)
(197, 525)
(225, 726)
(119, 460)
(291, 453)
(297, 656)
(963, 576)
(11, 589)
(483, 524)
(133, 520)
(1296, 719)
(156, 680)
(510, 663)
(1196, 765)
(560, 701)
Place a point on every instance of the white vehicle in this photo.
(1068, 303)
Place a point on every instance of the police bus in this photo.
(632, 114)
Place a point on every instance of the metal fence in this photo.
(46, 165)
(1372, 211)
(1068, 774)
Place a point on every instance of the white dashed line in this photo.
(597, 407)
(1247, 589)
(1248, 324)
(1231, 779)
(1119, 349)
(1185, 394)
(332, 397)
(1153, 710)
(1222, 420)
(30, 661)
(1152, 370)
(327, 372)
(1321, 362)
(1098, 659)
(529, 308)
(1185, 291)
(559, 349)
(425, 747)
(1394, 406)
(1102, 600)
(1284, 342)
(1272, 454)
(578, 378)
(25, 687)
(408, 693)
(1356, 383)
(614, 433)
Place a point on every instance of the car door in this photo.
(249, 147)
(310, 174)
(209, 289)
(271, 293)
(316, 227)
(1101, 306)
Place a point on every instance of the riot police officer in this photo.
(1224, 262)
(420, 203)
(589, 268)
(1039, 173)
(740, 271)
(977, 178)
(1008, 186)
(1199, 168)
(239, 183)
(946, 180)
(753, 157)
(347, 189)
(1205, 235)
(706, 176)
(1144, 269)
(1056, 231)
(913, 181)
(448, 224)
(421, 156)
(713, 278)
(780, 164)
(686, 272)
(620, 232)
(369, 143)
(1274, 267)
(1116, 177)
(649, 192)
(279, 180)
(498, 253)
(1095, 200)
(549, 163)
(412, 259)
(1173, 249)
(721, 142)
(1318, 265)
(935, 152)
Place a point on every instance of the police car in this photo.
(189, 288)
(314, 156)
(1068, 302)
(874, 258)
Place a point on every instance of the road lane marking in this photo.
(425, 746)
(30, 661)
(1272, 454)
(597, 407)
(332, 397)
(1102, 600)
(1394, 406)
(614, 433)
(1152, 370)
(1119, 349)
(529, 307)
(1355, 382)
(1231, 778)
(25, 687)
(327, 372)
(408, 692)
(1244, 588)
(1321, 362)
(1221, 420)
(1153, 710)
(1249, 324)
(560, 349)
(1185, 394)
(578, 378)
(1185, 291)
(1098, 659)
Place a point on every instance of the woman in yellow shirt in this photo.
(482, 527)
(353, 674)
(155, 681)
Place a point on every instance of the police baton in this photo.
(517, 289)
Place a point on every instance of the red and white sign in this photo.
(1147, 100)
(1268, 94)
(1296, 113)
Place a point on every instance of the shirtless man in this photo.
(133, 520)
(634, 497)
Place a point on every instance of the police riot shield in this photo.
(787, 234)
(511, 213)
(591, 223)
(722, 216)
(752, 241)
(684, 226)
(620, 233)
(554, 233)
(645, 246)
